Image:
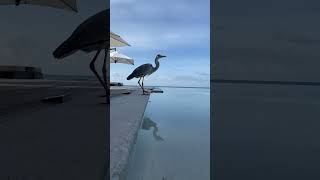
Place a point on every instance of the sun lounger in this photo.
(116, 84)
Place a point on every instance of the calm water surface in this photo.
(174, 140)
(266, 131)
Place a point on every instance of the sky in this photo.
(267, 40)
(29, 35)
(179, 29)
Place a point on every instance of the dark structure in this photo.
(20, 72)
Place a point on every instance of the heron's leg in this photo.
(104, 72)
(140, 85)
(142, 80)
(143, 85)
(139, 82)
(93, 69)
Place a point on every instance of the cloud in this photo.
(127, 10)
(165, 38)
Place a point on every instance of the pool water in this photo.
(174, 140)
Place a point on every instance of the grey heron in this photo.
(91, 35)
(144, 70)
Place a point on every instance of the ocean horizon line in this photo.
(270, 82)
(85, 77)
(199, 87)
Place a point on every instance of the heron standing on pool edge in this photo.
(91, 35)
(144, 70)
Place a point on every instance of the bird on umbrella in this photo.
(91, 35)
(145, 70)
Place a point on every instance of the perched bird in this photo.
(91, 35)
(144, 70)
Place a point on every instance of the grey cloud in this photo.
(171, 11)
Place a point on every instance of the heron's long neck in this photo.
(156, 61)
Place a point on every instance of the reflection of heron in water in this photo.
(147, 124)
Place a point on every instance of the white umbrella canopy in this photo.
(116, 57)
(70, 5)
(117, 41)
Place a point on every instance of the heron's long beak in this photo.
(162, 56)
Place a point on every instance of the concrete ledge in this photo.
(126, 114)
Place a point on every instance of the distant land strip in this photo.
(304, 83)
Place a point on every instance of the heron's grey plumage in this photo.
(143, 70)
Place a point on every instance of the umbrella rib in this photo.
(18, 2)
(70, 6)
(120, 39)
(120, 58)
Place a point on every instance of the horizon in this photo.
(93, 77)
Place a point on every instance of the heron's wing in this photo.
(142, 70)
(90, 35)
(93, 32)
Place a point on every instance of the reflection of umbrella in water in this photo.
(116, 57)
(147, 124)
(70, 5)
(91, 35)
